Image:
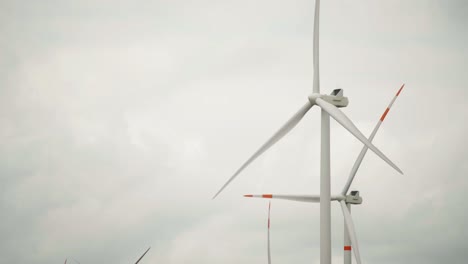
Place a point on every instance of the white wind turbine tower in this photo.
(329, 107)
(345, 199)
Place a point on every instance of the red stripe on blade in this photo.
(267, 195)
(399, 91)
(346, 248)
(384, 114)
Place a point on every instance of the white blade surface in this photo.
(351, 231)
(316, 87)
(365, 148)
(341, 118)
(300, 198)
(292, 122)
(269, 253)
(143, 255)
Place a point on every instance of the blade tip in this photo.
(398, 170)
(216, 195)
(248, 195)
(401, 88)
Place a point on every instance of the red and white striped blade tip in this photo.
(382, 118)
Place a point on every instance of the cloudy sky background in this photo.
(121, 119)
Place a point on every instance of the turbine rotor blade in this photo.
(298, 198)
(351, 231)
(364, 149)
(269, 252)
(316, 84)
(290, 124)
(143, 255)
(341, 118)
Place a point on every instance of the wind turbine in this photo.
(143, 255)
(345, 198)
(329, 107)
(135, 262)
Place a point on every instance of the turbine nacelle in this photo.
(354, 198)
(336, 98)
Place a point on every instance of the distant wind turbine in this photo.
(135, 262)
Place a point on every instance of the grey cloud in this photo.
(121, 120)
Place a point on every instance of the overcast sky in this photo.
(121, 119)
